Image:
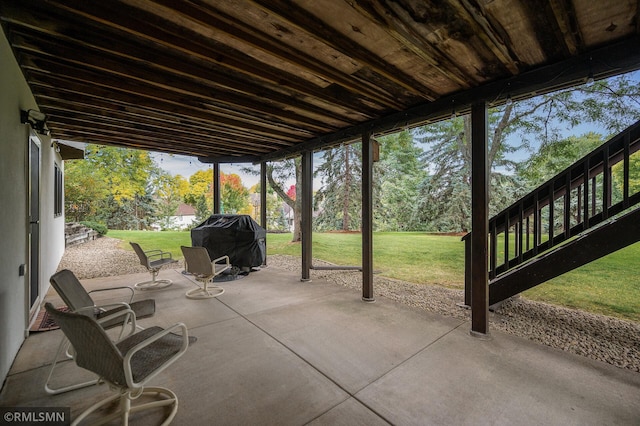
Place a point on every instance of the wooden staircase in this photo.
(585, 212)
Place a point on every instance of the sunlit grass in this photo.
(609, 286)
(165, 241)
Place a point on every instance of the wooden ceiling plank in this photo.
(613, 59)
(482, 38)
(143, 26)
(104, 42)
(565, 16)
(146, 80)
(214, 142)
(57, 96)
(485, 31)
(134, 144)
(222, 135)
(322, 31)
(249, 37)
(55, 106)
(548, 30)
(152, 139)
(209, 137)
(152, 134)
(412, 40)
(450, 29)
(139, 95)
(228, 145)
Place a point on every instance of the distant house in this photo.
(184, 217)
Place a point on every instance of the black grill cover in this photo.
(236, 236)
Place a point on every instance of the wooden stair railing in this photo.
(572, 202)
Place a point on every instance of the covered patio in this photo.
(274, 350)
(256, 82)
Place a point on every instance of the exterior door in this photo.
(34, 221)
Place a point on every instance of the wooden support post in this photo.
(216, 188)
(479, 221)
(307, 210)
(263, 202)
(367, 218)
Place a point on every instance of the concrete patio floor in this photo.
(275, 351)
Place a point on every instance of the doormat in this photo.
(44, 322)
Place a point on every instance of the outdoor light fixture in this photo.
(589, 81)
(35, 119)
(509, 101)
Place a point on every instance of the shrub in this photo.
(98, 227)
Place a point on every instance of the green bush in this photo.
(98, 227)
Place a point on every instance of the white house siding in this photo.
(14, 221)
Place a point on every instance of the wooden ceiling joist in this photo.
(265, 79)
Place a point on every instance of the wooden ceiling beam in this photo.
(462, 22)
(614, 59)
(134, 79)
(565, 16)
(145, 27)
(103, 126)
(95, 113)
(85, 137)
(548, 31)
(280, 77)
(79, 126)
(484, 29)
(55, 97)
(206, 16)
(165, 102)
(174, 62)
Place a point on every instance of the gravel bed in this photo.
(598, 337)
(102, 257)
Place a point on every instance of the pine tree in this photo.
(397, 177)
(339, 199)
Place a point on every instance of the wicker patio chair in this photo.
(153, 260)
(126, 365)
(204, 270)
(78, 300)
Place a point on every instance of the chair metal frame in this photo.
(204, 270)
(153, 260)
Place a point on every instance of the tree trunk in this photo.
(347, 188)
(296, 205)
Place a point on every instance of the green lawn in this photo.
(409, 256)
(165, 241)
(610, 286)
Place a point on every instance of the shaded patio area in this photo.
(273, 350)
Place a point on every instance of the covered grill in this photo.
(236, 236)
